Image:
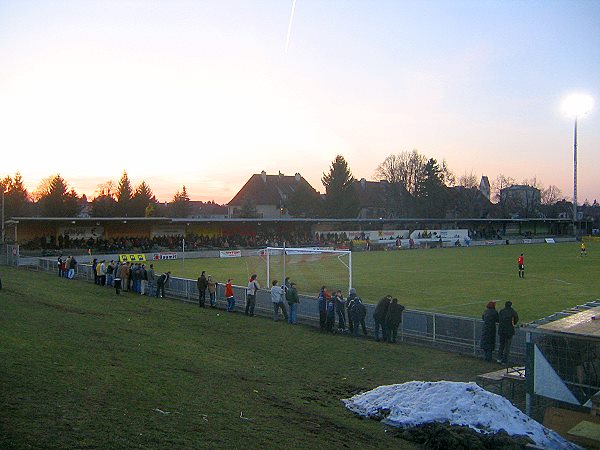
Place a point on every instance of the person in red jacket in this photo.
(521, 265)
(229, 296)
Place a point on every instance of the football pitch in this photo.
(458, 281)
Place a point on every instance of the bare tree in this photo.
(468, 180)
(448, 177)
(406, 168)
(501, 182)
(551, 195)
(107, 188)
(533, 182)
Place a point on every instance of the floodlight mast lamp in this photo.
(576, 105)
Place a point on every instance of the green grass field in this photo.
(83, 368)
(456, 281)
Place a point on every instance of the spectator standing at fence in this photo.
(72, 265)
(212, 291)
(277, 293)
(229, 296)
(95, 270)
(358, 312)
(59, 262)
(151, 280)
(103, 273)
(97, 273)
(293, 300)
(125, 277)
(488, 331)
(202, 284)
(340, 308)
(252, 288)
(521, 265)
(161, 282)
(118, 272)
(379, 316)
(143, 279)
(507, 319)
(110, 269)
(138, 278)
(322, 304)
(330, 314)
(349, 305)
(63, 268)
(393, 319)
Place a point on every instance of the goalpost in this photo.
(310, 268)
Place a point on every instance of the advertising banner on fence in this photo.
(132, 257)
(230, 254)
(164, 255)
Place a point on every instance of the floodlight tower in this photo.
(575, 106)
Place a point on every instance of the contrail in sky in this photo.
(287, 41)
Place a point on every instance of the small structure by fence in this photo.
(443, 331)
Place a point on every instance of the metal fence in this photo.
(443, 331)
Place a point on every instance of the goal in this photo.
(310, 268)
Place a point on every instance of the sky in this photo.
(204, 94)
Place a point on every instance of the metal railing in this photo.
(443, 331)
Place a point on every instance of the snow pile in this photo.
(465, 404)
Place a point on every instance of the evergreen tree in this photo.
(123, 196)
(16, 198)
(304, 202)
(180, 206)
(141, 199)
(55, 199)
(104, 206)
(432, 194)
(341, 199)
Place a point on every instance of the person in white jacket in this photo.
(277, 294)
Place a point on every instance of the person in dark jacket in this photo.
(340, 309)
(324, 296)
(379, 316)
(393, 319)
(330, 314)
(293, 300)
(507, 319)
(202, 284)
(94, 264)
(357, 311)
(488, 332)
(161, 282)
(349, 305)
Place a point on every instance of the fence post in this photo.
(402, 331)
(474, 338)
(433, 327)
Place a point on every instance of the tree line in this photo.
(54, 198)
(415, 186)
(418, 186)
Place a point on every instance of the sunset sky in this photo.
(203, 93)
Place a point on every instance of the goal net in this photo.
(310, 268)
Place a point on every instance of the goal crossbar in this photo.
(292, 251)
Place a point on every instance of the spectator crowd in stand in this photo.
(171, 243)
